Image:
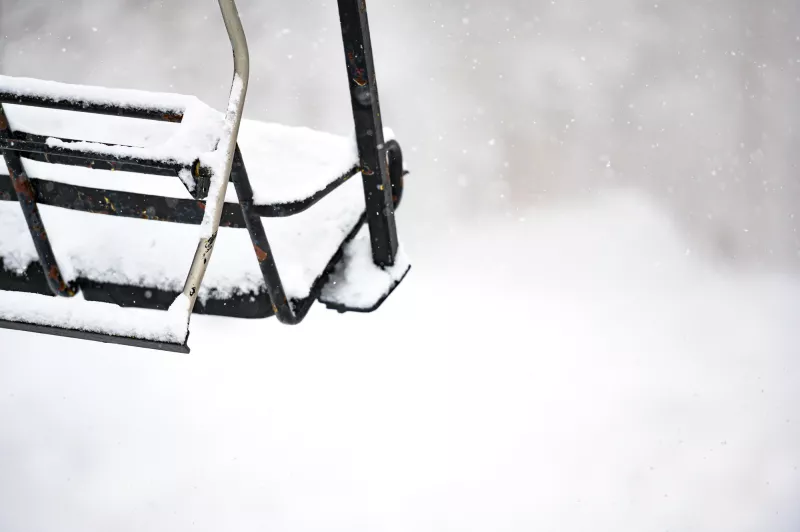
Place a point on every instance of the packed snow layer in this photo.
(81, 315)
(158, 254)
(583, 370)
(357, 283)
(284, 163)
(192, 139)
(67, 92)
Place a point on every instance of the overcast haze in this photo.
(599, 332)
(502, 104)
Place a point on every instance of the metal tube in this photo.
(26, 196)
(87, 105)
(241, 67)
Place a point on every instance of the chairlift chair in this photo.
(128, 278)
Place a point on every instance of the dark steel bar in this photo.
(31, 280)
(258, 237)
(26, 196)
(87, 105)
(39, 150)
(288, 312)
(369, 130)
(124, 204)
(35, 147)
(394, 161)
(95, 161)
(149, 207)
(247, 305)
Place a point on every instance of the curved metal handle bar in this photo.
(219, 183)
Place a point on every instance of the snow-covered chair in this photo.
(155, 165)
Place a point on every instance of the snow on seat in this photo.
(155, 254)
(80, 315)
(285, 164)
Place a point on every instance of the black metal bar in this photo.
(369, 130)
(248, 305)
(124, 204)
(95, 337)
(149, 207)
(40, 150)
(87, 105)
(258, 237)
(31, 280)
(288, 312)
(394, 162)
(26, 196)
(95, 161)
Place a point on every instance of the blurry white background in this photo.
(599, 330)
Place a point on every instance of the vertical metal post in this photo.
(369, 130)
(27, 201)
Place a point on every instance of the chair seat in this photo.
(124, 251)
(144, 262)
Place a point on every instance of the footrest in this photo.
(357, 284)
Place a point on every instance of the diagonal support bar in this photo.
(258, 237)
(369, 130)
(27, 200)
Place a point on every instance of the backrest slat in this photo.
(97, 100)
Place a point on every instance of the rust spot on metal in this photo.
(360, 81)
(274, 309)
(261, 254)
(172, 117)
(23, 188)
(3, 120)
(63, 288)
